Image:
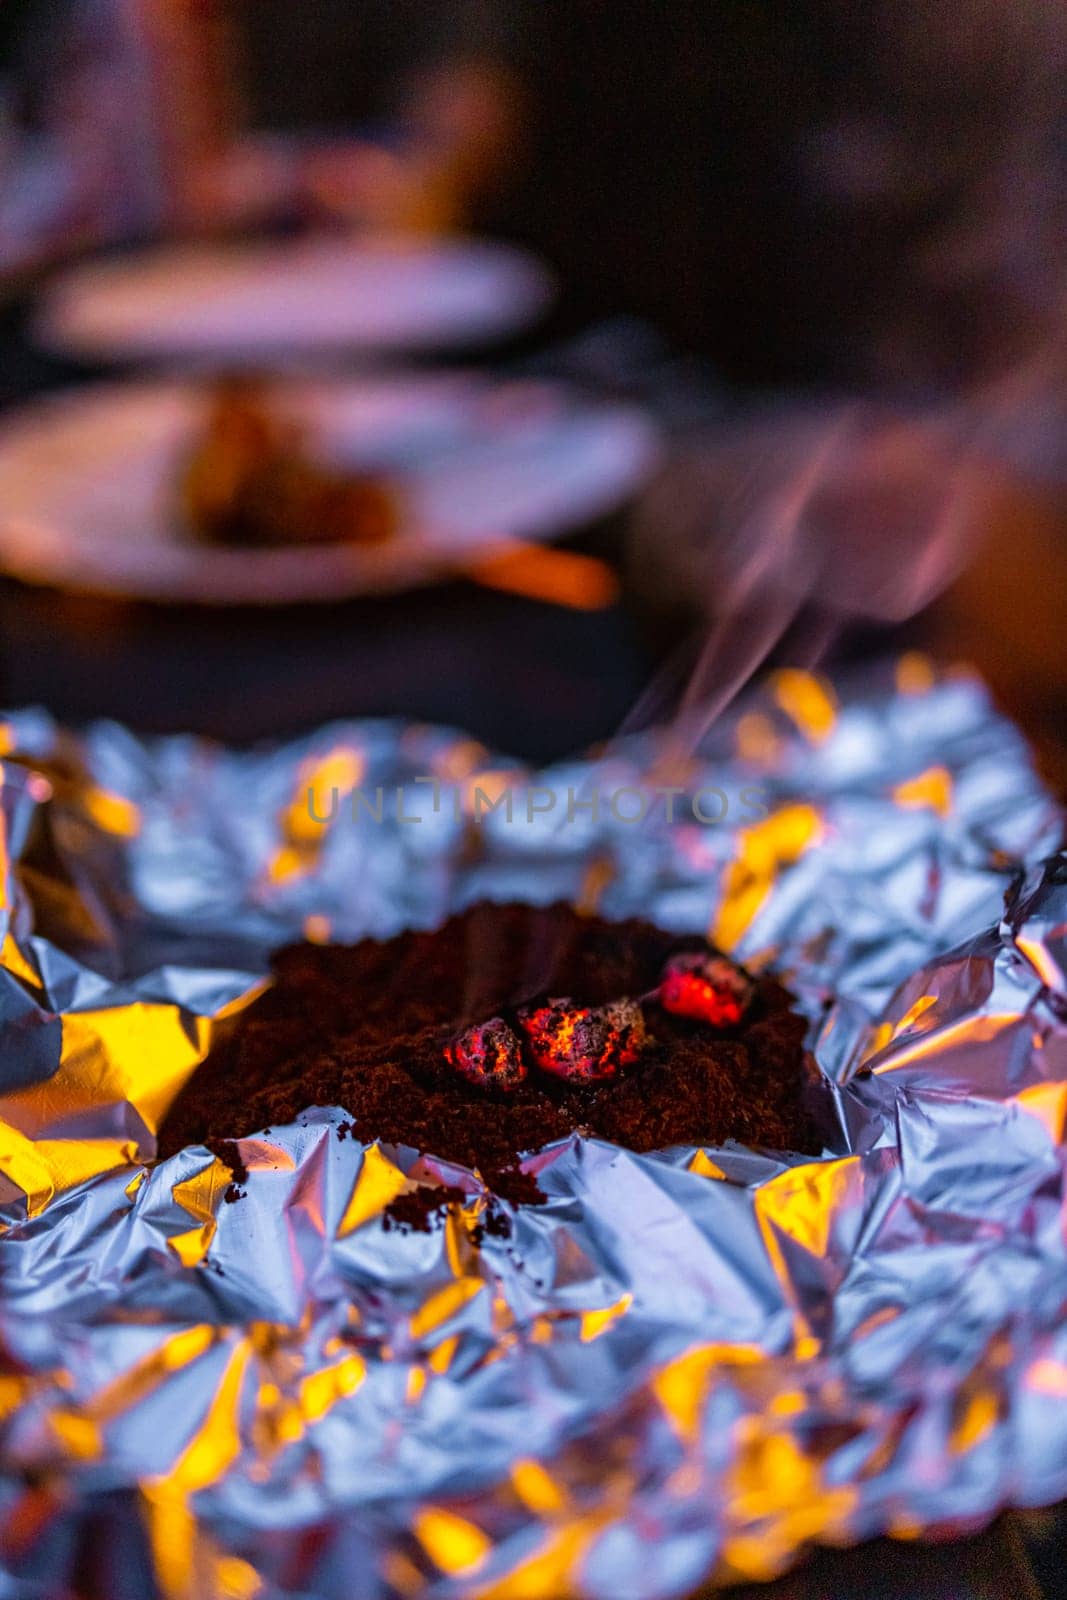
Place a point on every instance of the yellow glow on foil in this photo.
(970, 1030)
(1048, 1103)
(340, 769)
(454, 1544)
(133, 1386)
(142, 1053)
(979, 1415)
(1041, 960)
(879, 1038)
(551, 1569)
(216, 1444)
(77, 1434)
(536, 1488)
(43, 1168)
(151, 1050)
(213, 1448)
(762, 850)
(930, 790)
(200, 1196)
(416, 1385)
(788, 1403)
(777, 1488)
(594, 1323)
(440, 1357)
(459, 1220)
(808, 700)
(914, 1012)
(287, 862)
(320, 1391)
(378, 1183)
(320, 782)
(440, 1307)
(236, 1580)
(13, 959)
(702, 1163)
(13, 1392)
(800, 1204)
(682, 1386)
(113, 813)
(172, 1531)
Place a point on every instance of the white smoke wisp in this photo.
(800, 523)
(777, 531)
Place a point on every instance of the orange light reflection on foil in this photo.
(452, 1543)
(929, 790)
(558, 577)
(322, 783)
(762, 850)
(808, 700)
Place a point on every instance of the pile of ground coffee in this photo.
(367, 1027)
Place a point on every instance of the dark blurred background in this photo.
(753, 211)
(838, 191)
(833, 201)
(769, 222)
(828, 192)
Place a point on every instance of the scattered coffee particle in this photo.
(496, 1223)
(366, 1027)
(344, 1129)
(233, 1193)
(229, 1153)
(418, 1210)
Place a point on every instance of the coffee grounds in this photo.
(365, 1027)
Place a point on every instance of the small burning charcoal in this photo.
(488, 1054)
(587, 1043)
(707, 988)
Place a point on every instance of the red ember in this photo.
(488, 1054)
(585, 1043)
(707, 988)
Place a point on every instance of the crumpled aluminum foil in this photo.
(684, 1366)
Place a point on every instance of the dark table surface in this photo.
(527, 678)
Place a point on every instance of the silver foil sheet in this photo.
(685, 1367)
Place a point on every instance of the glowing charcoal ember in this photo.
(488, 1054)
(587, 1043)
(707, 988)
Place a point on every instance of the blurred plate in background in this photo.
(232, 301)
(89, 483)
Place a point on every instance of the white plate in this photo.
(87, 483)
(317, 294)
